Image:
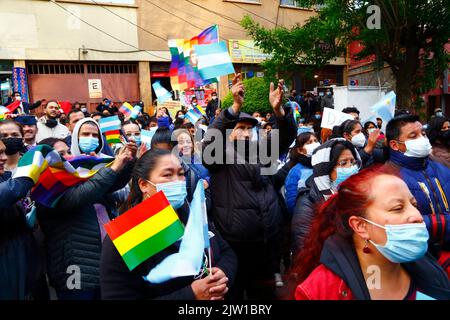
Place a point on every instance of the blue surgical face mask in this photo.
(405, 242)
(343, 174)
(317, 116)
(174, 191)
(88, 144)
(137, 139)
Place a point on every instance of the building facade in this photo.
(86, 50)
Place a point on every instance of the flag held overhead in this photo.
(213, 60)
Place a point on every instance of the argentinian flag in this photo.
(161, 93)
(385, 108)
(188, 260)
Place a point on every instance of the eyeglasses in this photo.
(348, 163)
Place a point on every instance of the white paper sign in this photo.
(331, 118)
(95, 88)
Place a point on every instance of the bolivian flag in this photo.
(145, 230)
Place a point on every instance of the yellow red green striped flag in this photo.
(145, 230)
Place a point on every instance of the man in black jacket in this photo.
(246, 210)
(212, 106)
(24, 107)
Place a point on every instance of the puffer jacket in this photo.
(308, 199)
(72, 229)
(429, 182)
(245, 203)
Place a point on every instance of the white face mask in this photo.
(418, 148)
(83, 109)
(359, 140)
(19, 98)
(371, 130)
(310, 148)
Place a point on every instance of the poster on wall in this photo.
(95, 88)
(20, 82)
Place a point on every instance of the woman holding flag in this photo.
(159, 170)
(73, 224)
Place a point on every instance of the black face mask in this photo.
(444, 137)
(13, 145)
(51, 123)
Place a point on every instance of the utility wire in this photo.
(143, 29)
(106, 33)
(242, 8)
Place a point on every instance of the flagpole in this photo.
(218, 83)
(209, 261)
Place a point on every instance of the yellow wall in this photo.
(163, 22)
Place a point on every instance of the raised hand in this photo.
(237, 89)
(276, 98)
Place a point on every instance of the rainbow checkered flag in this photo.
(53, 175)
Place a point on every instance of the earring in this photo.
(366, 248)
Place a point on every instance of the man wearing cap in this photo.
(49, 126)
(246, 209)
(29, 124)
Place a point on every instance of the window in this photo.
(245, 1)
(112, 68)
(291, 3)
(52, 68)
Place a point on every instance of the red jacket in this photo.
(323, 284)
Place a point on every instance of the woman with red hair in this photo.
(369, 242)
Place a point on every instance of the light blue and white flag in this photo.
(136, 110)
(109, 124)
(385, 108)
(188, 260)
(161, 93)
(192, 116)
(146, 136)
(213, 60)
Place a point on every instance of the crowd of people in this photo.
(356, 212)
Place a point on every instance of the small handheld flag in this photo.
(126, 109)
(146, 137)
(110, 127)
(161, 93)
(145, 230)
(188, 260)
(385, 108)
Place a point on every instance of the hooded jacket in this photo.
(75, 148)
(339, 275)
(317, 190)
(72, 228)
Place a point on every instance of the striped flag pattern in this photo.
(110, 127)
(188, 260)
(146, 137)
(213, 60)
(145, 230)
(126, 109)
(161, 93)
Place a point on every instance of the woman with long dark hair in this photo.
(369, 242)
(159, 170)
